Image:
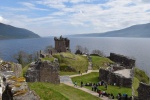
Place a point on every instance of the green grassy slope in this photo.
(98, 61)
(135, 85)
(78, 62)
(141, 76)
(48, 91)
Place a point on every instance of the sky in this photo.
(64, 17)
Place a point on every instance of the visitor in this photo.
(79, 72)
(103, 93)
(81, 84)
(102, 82)
(126, 96)
(86, 71)
(99, 83)
(106, 86)
(92, 87)
(114, 84)
(119, 96)
(75, 83)
(112, 96)
(100, 93)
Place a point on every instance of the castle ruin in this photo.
(120, 73)
(62, 44)
(122, 60)
(143, 91)
(43, 71)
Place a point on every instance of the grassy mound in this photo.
(77, 62)
(141, 76)
(98, 61)
(48, 91)
(135, 85)
(48, 58)
(93, 77)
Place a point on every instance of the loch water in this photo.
(137, 48)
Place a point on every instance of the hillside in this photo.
(71, 63)
(11, 32)
(142, 30)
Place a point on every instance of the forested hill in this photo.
(11, 32)
(142, 30)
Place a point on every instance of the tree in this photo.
(21, 57)
(98, 52)
(30, 58)
(79, 49)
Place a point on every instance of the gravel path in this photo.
(67, 80)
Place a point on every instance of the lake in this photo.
(138, 48)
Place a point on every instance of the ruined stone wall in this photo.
(112, 78)
(123, 60)
(43, 72)
(143, 91)
(49, 73)
(32, 76)
(62, 44)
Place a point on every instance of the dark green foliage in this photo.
(10, 32)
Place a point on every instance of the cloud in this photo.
(31, 6)
(3, 20)
(80, 17)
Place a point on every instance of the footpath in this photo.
(67, 80)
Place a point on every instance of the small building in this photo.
(62, 44)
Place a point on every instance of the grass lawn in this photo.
(48, 91)
(67, 73)
(98, 61)
(48, 58)
(141, 76)
(93, 77)
(78, 62)
(135, 85)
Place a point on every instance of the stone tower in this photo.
(62, 44)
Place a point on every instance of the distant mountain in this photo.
(11, 32)
(142, 30)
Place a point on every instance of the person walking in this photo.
(75, 83)
(81, 84)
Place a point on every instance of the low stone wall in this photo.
(123, 60)
(112, 78)
(143, 91)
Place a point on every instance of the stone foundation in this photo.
(112, 78)
(123, 60)
(143, 91)
(43, 72)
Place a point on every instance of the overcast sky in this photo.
(61, 17)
